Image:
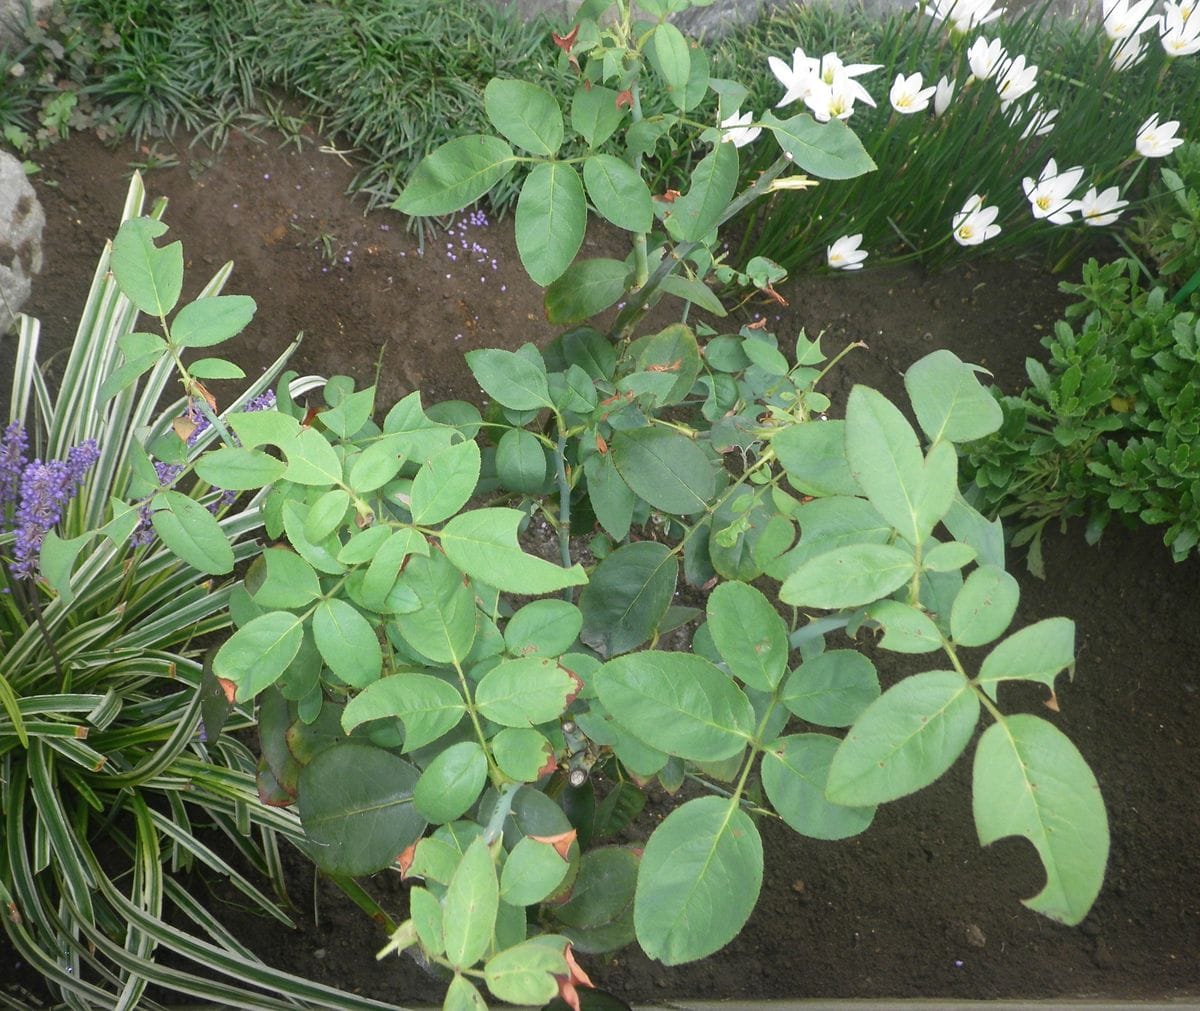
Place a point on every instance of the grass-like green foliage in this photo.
(1168, 227)
(929, 166)
(115, 778)
(1110, 425)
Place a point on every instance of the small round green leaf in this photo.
(290, 581)
(451, 783)
(619, 194)
(191, 532)
(470, 906)
(532, 871)
(748, 634)
(794, 774)
(848, 576)
(666, 468)
(427, 706)
(521, 462)
(523, 753)
(525, 692)
(984, 607)
(347, 642)
(548, 627)
(211, 320)
(524, 974)
(832, 689)
(236, 468)
(258, 653)
(445, 484)
(949, 401)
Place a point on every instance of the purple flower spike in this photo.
(13, 447)
(46, 488)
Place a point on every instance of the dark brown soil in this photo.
(914, 908)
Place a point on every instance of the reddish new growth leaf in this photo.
(675, 366)
(561, 842)
(575, 977)
(309, 416)
(625, 99)
(229, 688)
(669, 197)
(601, 444)
(775, 295)
(565, 42)
(1052, 702)
(405, 859)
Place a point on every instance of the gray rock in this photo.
(21, 223)
(13, 16)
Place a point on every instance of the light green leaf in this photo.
(828, 150)
(470, 906)
(832, 689)
(461, 995)
(513, 380)
(984, 607)
(258, 653)
(627, 597)
(355, 804)
(672, 351)
(57, 559)
(239, 469)
(714, 180)
(149, 276)
(523, 753)
(319, 555)
(611, 498)
(814, 456)
(263, 428)
(1030, 780)
(904, 740)
(849, 576)
(619, 194)
(671, 59)
(948, 557)
(749, 634)
(1035, 653)
(347, 642)
(906, 629)
(215, 368)
(548, 627)
(677, 702)
(376, 465)
(442, 624)
(527, 115)
(191, 532)
(550, 220)
(692, 289)
(211, 320)
(666, 468)
(290, 580)
(968, 525)
(699, 880)
(524, 974)
(385, 564)
(521, 463)
(427, 706)
(457, 174)
(445, 484)
(532, 871)
(587, 288)
(483, 543)
(795, 771)
(351, 411)
(312, 460)
(948, 399)
(426, 911)
(595, 114)
(525, 692)
(451, 783)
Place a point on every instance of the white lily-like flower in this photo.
(845, 253)
(1041, 121)
(1122, 20)
(1180, 35)
(907, 96)
(963, 15)
(736, 129)
(835, 101)
(1157, 140)
(942, 95)
(1127, 53)
(796, 79)
(1050, 196)
(986, 58)
(1101, 208)
(1017, 82)
(832, 68)
(975, 223)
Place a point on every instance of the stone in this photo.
(12, 21)
(21, 224)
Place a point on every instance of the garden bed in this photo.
(914, 907)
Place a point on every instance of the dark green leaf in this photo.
(627, 597)
(666, 468)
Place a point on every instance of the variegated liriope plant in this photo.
(434, 694)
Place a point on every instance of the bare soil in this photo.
(913, 908)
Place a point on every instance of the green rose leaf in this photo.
(527, 115)
(611, 498)
(441, 621)
(550, 220)
(149, 276)
(906, 629)
(525, 973)
(445, 484)
(671, 59)
(451, 783)
(258, 653)
(347, 643)
(513, 380)
(832, 689)
(714, 180)
(457, 174)
(427, 706)
(904, 740)
(849, 576)
(356, 806)
(525, 692)
(678, 702)
(376, 465)
(212, 320)
(548, 627)
(1030, 780)
(666, 468)
(325, 515)
(57, 559)
(263, 428)
(470, 907)
(586, 288)
(814, 456)
(699, 880)
(984, 607)
(948, 399)
(238, 469)
(290, 580)
(829, 150)
(619, 194)
(627, 597)
(795, 771)
(595, 114)
(532, 871)
(949, 557)
(462, 995)
(1035, 653)
(385, 563)
(523, 753)
(312, 460)
(191, 532)
(215, 368)
(521, 462)
(748, 634)
(483, 543)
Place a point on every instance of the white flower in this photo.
(796, 79)
(1121, 21)
(942, 96)
(986, 58)
(1180, 35)
(835, 101)
(737, 131)
(1017, 82)
(1041, 121)
(1101, 208)
(833, 68)
(964, 15)
(1050, 196)
(974, 223)
(844, 254)
(907, 96)
(1127, 53)
(1157, 140)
